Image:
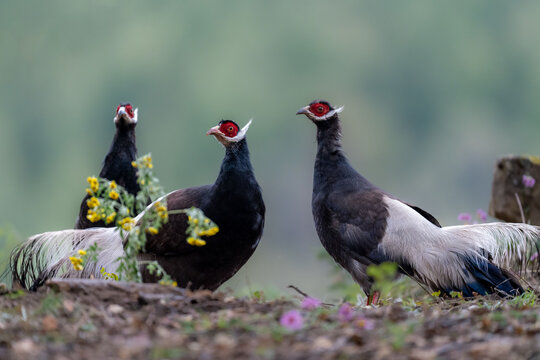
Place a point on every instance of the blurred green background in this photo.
(434, 92)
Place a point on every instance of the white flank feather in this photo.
(45, 256)
(436, 253)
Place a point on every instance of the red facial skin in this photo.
(229, 129)
(319, 109)
(129, 109)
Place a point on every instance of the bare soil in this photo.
(90, 319)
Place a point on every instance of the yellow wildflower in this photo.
(152, 230)
(89, 191)
(207, 221)
(92, 202)
(191, 241)
(195, 221)
(113, 195)
(199, 242)
(210, 232)
(110, 218)
(93, 216)
(81, 252)
(134, 164)
(76, 262)
(126, 223)
(142, 182)
(163, 215)
(112, 185)
(94, 183)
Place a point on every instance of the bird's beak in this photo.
(214, 131)
(303, 110)
(122, 111)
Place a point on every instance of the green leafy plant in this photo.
(111, 203)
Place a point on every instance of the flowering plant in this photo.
(110, 202)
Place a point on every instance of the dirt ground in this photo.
(89, 319)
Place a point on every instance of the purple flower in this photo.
(364, 323)
(346, 312)
(528, 181)
(292, 320)
(481, 214)
(534, 256)
(466, 217)
(310, 303)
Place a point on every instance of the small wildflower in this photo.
(199, 242)
(134, 164)
(113, 185)
(292, 320)
(481, 214)
(92, 202)
(76, 262)
(465, 217)
(94, 183)
(113, 195)
(152, 230)
(310, 303)
(110, 218)
(210, 232)
(93, 216)
(82, 252)
(534, 256)
(191, 241)
(528, 181)
(126, 223)
(346, 312)
(89, 191)
(364, 323)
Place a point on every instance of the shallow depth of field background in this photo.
(433, 93)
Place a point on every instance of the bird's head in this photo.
(319, 110)
(125, 115)
(228, 132)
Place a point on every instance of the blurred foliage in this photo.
(433, 94)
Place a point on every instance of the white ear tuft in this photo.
(135, 115)
(246, 127)
(340, 109)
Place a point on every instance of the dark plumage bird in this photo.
(234, 202)
(359, 224)
(117, 162)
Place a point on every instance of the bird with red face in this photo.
(234, 202)
(117, 163)
(360, 225)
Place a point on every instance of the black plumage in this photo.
(234, 202)
(359, 225)
(117, 163)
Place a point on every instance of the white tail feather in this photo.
(436, 254)
(47, 255)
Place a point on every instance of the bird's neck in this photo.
(236, 171)
(331, 164)
(117, 164)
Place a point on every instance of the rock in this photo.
(508, 181)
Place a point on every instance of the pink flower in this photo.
(310, 303)
(292, 320)
(466, 217)
(364, 323)
(534, 256)
(528, 181)
(481, 214)
(346, 312)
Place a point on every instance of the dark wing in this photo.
(425, 214)
(359, 218)
(171, 239)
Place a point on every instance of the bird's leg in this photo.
(373, 298)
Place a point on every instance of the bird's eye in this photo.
(320, 109)
(231, 129)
